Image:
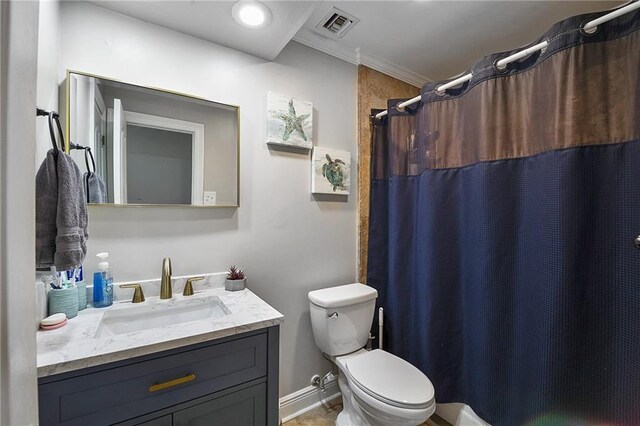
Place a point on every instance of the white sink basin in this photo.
(159, 314)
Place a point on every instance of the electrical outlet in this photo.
(209, 198)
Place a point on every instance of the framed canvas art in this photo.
(289, 121)
(330, 171)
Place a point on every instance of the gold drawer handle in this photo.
(171, 383)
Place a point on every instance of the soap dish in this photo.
(53, 327)
(53, 321)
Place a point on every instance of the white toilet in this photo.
(378, 388)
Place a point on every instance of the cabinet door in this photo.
(158, 421)
(247, 407)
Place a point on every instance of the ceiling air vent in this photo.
(336, 23)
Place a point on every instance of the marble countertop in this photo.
(79, 344)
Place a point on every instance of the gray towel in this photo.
(61, 214)
(46, 212)
(97, 190)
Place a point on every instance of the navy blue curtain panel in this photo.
(502, 224)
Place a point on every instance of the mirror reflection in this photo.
(152, 147)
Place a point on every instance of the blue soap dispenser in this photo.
(103, 283)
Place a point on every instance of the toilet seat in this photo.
(391, 380)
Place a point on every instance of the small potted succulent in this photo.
(235, 280)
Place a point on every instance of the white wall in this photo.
(18, 44)
(47, 83)
(288, 241)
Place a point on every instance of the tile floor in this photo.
(325, 415)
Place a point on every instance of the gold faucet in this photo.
(165, 282)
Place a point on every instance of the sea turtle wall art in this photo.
(289, 121)
(330, 171)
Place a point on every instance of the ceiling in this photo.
(415, 41)
(212, 21)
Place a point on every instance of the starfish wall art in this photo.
(289, 121)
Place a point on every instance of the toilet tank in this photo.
(341, 317)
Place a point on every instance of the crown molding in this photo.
(393, 70)
(353, 56)
(327, 46)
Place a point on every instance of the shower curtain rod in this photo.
(589, 28)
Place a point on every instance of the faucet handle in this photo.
(188, 287)
(138, 295)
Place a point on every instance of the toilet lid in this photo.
(391, 379)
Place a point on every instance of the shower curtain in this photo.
(502, 228)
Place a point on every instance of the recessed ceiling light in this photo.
(251, 14)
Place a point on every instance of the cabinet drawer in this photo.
(116, 394)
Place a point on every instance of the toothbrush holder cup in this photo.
(63, 300)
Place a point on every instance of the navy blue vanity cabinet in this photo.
(226, 382)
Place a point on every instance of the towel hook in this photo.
(56, 117)
(52, 116)
(52, 134)
(88, 155)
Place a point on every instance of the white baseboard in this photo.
(298, 403)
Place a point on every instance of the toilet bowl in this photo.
(378, 388)
(383, 389)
